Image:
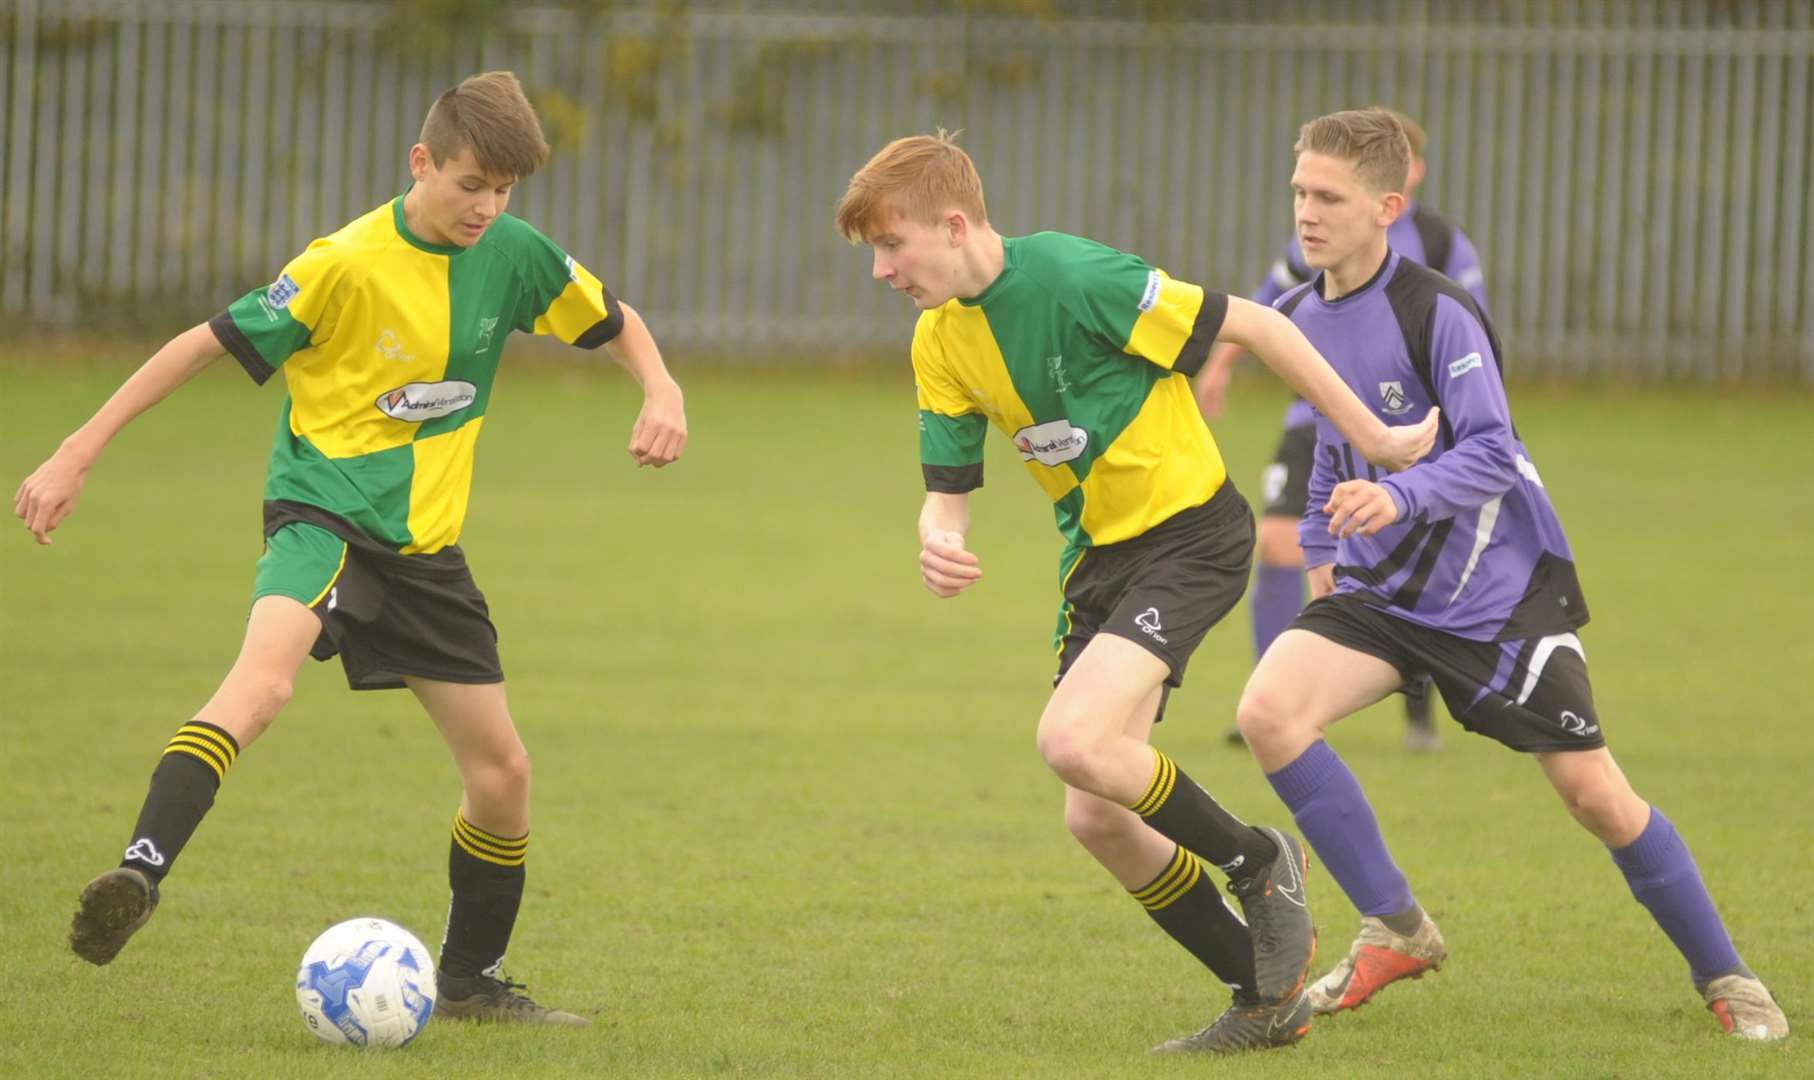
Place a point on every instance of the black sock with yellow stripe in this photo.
(195, 762)
(486, 874)
(1189, 907)
(1177, 809)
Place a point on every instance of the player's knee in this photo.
(262, 697)
(1094, 822)
(1609, 810)
(1263, 715)
(1069, 750)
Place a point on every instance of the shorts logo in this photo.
(1272, 482)
(1150, 296)
(282, 291)
(1148, 622)
(390, 346)
(416, 402)
(1464, 365)
(1392, 398)
(143, 850)
(1052, 443)
(1577, 725)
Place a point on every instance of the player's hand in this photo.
(49, 495)
(1212, 387)
(946, 568)
(1360, 508)
(660, 433)
(1322, 580)
(1405, 446)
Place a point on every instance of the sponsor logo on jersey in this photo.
(1051, 443)
(1464, 365)
(1392, 398)
(1148, 622)
(282, 291)
(417, 401)
(572, 269)
(1154, 282)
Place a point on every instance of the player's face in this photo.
(917, 259)
(458, 200)
(1337, 214)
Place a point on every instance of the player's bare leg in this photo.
(1304, 684)
(115, 905)
(1102, 714)
(486, 858)
(1664, 878)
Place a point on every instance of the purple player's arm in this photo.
(1482, 464)
(1313, 530)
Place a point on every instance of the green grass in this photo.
(789, 818)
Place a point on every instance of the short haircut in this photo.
(489, 114)
(921, 176)
(1414, 133)
(1371, 139)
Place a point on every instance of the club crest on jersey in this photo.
(390, 346)
(416, 402)
(282, 291)
(1051, 443)
(486, 328)
(1392, 398)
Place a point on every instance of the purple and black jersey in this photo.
(1477, 550)
(1420, 234)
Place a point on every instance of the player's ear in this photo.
(419, 161)
(957, 228)
(1391, 205)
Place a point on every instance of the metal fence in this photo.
(1636, 175)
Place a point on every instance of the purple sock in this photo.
(1278, 595)
(1332, 812)
(1663, 877)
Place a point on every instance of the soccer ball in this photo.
(366, 982)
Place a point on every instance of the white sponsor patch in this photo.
(1464, 365)
(572, 269)
(282, 291)
(418, 401)
(1051, 443)
(1154, 282)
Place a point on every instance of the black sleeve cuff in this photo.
(235, 342)
(605, 329)
(1202, 334)
(953, 479)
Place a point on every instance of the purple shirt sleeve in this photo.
(1313, 530)
(1464, 267)
(1482, 462)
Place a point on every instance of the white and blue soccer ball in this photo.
(366, 982)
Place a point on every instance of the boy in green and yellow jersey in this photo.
(387, 334)
(1081, 355)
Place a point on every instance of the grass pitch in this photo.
(788, 816)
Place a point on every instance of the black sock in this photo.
(1180, 811)
(182, 789)
(1186, 905)
(486, 874)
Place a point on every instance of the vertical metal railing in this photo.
(1636, 175)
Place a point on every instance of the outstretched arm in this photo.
(49, 494)
(1278, 343)
(946, 567)
(660, 433)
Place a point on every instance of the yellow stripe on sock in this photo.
(196, 743)
(220, 771)
(1191, 877)
(218, 738)
(1165, 777)
(1168, 877)
(483, 845)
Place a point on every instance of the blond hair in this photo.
(921, 176)
(1372, 140)
(1414, 133)
(489, 114)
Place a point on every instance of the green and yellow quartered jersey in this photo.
(1082, 355)
(389, 346)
